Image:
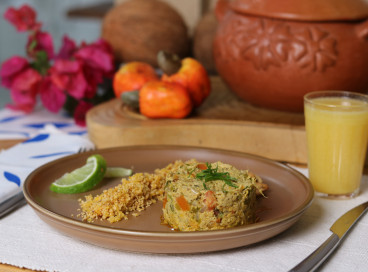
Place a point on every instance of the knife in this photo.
(340, 228)
(12, 203)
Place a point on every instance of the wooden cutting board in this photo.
(223, 121)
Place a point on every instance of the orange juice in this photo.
(337, 136)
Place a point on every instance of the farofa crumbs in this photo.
(132, 195)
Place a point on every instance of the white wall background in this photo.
(53, 15)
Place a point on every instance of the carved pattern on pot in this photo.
(268, 43)
(314, 49)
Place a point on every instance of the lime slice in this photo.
(117, 172)
(81, 179)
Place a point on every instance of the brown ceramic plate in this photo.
(289, 195)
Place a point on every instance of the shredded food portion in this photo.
(209, 196)
(132, 196)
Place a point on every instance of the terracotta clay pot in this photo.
(271, 53)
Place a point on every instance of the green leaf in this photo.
(211, 174)
(32, 45)
(41, 63)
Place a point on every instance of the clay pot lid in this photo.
(305, 10)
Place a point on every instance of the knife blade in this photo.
(339, 229)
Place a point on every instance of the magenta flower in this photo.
(97, 56)
(11, 68)
(52, 97)
(23, 19)
(67, 48)
(93, 78)
(24, 90)
(98, 63)
(40, 41)
(80, 112)
(68, 79)
(68, 76)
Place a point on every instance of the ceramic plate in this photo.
(289, 195)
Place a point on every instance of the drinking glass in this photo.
(336, 124)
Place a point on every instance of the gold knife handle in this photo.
(317, 257)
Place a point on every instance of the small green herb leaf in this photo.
(211, 174)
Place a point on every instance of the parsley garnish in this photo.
(211, 174)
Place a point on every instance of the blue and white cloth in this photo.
(47, 137)
(18, 125)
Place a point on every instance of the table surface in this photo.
(4, 144)
(298, 241)
(279, 253)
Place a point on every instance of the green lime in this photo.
(81, 179)
(117, 172)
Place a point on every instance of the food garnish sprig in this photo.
(210, 174)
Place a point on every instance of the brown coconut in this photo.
(138, 29)
(204, 34)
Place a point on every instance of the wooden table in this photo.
(10, 268)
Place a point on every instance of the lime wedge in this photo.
(117, 172)
(81, 179)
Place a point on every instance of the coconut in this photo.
(138, 29)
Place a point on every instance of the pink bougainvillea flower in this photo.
(23, 19)
(74, 73)
(98, 62)
(68, 76)
(67, 49)
(80, 112)
(40, 41)
(93, 78)
(24, 90)
(97, 56)
(11, 68)
(52, 97)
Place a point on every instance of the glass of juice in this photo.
(336, 124)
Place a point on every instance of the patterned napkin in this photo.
(47, 140)
(18, 125)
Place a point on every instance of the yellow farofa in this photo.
(132, 196)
